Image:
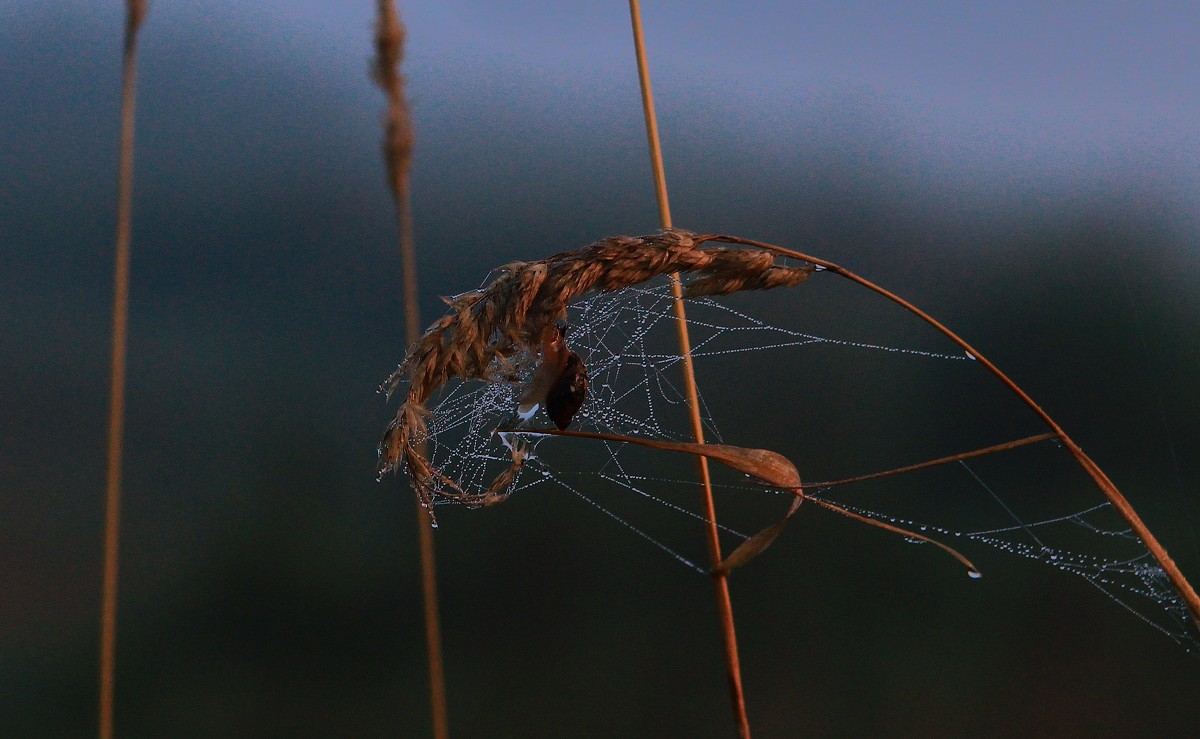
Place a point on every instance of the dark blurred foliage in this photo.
(269, 584)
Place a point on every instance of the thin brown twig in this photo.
(971, 568)
(135, 12)
(1102, 481)
(934, 462)
(398, 142)
(720, 577)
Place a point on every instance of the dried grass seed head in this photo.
(484, 329)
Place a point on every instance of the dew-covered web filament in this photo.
(1135, 581)
(625, 339)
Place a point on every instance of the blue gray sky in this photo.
(1044, 87)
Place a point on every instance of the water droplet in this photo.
(974, 574)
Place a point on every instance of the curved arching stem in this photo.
(1107, 487)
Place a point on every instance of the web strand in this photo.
(622, 337)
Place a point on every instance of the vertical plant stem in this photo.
(397, 152)
(135, 11)
(720, 577)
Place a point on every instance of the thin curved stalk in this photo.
(1102, 481)
(972, 570)
(733, 667)
(933, 462)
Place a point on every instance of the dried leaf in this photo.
(757, 544)
(771, 467)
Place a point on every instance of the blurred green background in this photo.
(1014, 172)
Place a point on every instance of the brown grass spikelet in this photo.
(485, 330)
(398, 134)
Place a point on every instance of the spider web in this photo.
(1030, 504)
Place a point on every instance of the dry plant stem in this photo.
(720, 577)
(656, 161)
(1107, 487)
(135, 12)
(934, 462)
(398, 141)
(897, 530)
